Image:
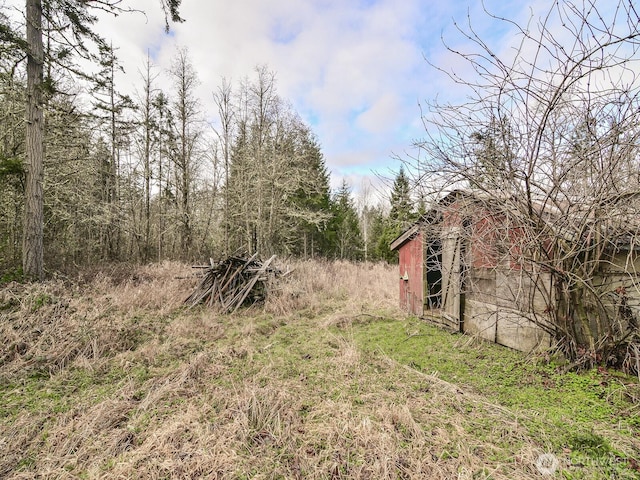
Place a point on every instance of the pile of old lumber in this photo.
(233, 282)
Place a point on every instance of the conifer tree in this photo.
(401, 215)
(345, 227)
(376, 221)
(402, 210)
(68, 25)
(277, 191)
(309, 206)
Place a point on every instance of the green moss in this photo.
(11, 275)
(589, 444)
(558, 409)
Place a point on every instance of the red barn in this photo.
(455, 267)
(523, 274)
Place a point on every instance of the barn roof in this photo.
(428, 218)
(405, 236)
(561, 215)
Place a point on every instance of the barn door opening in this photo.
(433, 263)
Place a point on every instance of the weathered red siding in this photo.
(475, 256)
(483, 241)
(412, 275)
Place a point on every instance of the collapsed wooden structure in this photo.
(233, 282)
(466, 266)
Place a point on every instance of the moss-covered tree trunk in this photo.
(32, 240)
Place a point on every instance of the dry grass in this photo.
(315, 286)
(44, 327)
(112, 378)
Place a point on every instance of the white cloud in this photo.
(383, 116)
(354, 69)
(333, 60)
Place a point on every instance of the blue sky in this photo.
(355, 70)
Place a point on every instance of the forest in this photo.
(147, 176)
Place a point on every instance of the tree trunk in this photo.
(32, 240)
(113, 193)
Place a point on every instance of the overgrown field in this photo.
(108, 376)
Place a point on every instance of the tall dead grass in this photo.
(318, 286)
(46, 326)
(142, 388)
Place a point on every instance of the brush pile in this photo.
(233, 282)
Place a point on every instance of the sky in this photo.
(356, 71)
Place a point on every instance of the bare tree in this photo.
(164, 135)
(549, 138)
(223, 99)
(187, 133)
(146, 139)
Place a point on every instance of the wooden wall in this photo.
(412, 284)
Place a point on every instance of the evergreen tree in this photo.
(402, 209)
(401, 216)
(109, 111)
(74, 190)
(376, 221)
(277, 192)
(382, 250)
(344, 227)
(12, 172)
(309, 206)
(68, 27)
(493, 155)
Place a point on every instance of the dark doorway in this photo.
(433, 264)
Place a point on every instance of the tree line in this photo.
(148, 177)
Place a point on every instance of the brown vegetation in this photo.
(111, 377)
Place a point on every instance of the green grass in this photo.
(13, 275)
(572, 414)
